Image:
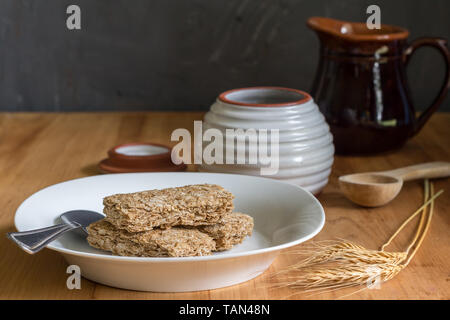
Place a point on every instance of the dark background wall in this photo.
(180, 54)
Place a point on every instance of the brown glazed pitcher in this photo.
(361, 85)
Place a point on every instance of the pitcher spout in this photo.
(356, 31)
(356, 37)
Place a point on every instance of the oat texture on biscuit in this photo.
(173, 242)
(192, 205)
(231, 230)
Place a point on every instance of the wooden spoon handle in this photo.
(437, 169)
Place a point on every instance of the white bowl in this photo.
(284, 215)
(306, 147)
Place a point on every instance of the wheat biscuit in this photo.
(231, 230)
(192, 205)
(173, 242)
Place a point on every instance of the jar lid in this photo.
(139, 157)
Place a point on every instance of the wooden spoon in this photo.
(374, 189)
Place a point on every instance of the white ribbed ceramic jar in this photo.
(305, 143)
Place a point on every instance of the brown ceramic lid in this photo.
(139, 157)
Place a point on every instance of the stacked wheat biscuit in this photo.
(193, 220)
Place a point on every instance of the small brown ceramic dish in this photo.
(139, 157)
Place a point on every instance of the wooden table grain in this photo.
(40, 149)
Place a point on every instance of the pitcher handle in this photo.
(441, 45)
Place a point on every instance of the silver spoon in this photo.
(35, 240)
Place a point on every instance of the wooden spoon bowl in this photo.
(370, 189)
(374, 189)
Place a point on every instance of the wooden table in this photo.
(40, 149)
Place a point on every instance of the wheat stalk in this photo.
(336, 264)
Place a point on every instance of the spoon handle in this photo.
(438, 169)
(33, 241)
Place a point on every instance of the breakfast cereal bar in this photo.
(193, 205)
(231, 230)
(173, 242)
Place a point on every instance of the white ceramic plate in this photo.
(284, 215)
